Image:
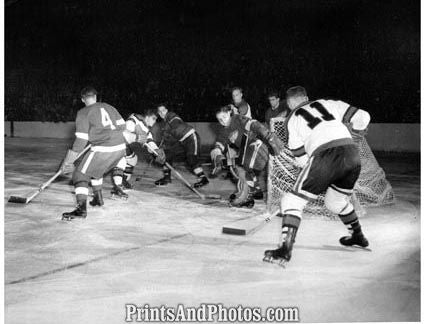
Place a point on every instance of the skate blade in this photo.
(114, 197)
(280, 262)
(357, 247)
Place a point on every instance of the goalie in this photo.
(252, 141)
(330, 161)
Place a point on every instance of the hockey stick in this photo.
(182, 179)
(26, 200)
(246, 228)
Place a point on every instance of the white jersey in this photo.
(136, 126)
(319, 124)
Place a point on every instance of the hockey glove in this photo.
(160, 156)
(356, 134)
(274, 144)
(68, 163)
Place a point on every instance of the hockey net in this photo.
(371, 189)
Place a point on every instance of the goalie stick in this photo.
(26, 200)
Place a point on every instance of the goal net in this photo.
(371, 189)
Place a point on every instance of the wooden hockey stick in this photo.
(26, 200)
(247, 227)
(182, 179)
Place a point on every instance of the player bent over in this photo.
(323, 145)
(101, 125)
(177, 129)
(253, 142)
(138, 124)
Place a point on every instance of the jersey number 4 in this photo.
(106, 120)
(311, 120)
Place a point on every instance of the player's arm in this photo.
(80, 142)
(358, 119)
(296, 142)
(355, 118)
(81, 132)
(244, 109)
(270, 139)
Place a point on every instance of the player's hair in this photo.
(220, 109)
(88, 92)
(296, 91)
(149, 112)
(273, 93)
(236, 88)
(162, 104)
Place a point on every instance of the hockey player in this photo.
(186, 135)
(252, 141)
(140, 124)
(277, 107)
(323, 146)
(102, 126)
(239, 105)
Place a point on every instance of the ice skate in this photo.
(283, 254)
(257, 194)
(247, 202)
(203, 181)
(97, 199)
(355, 240)
(117, 192)
(166, 179)
(126, 185)
(79, 212)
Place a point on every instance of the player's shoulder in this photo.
(171, 115)
(333, 102)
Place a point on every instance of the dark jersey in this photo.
(281, 111)
(236, 133)
(176, 127)
(101, 125)
(243, 108)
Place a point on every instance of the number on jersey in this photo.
(311, 120)
(106, 120)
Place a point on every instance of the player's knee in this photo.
(337, 202)
(192, 160)
(131, 160)
(117, 172)
(293, 204)
(80, 179)
(121, 163)
(215, 153)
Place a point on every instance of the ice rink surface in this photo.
(164, 247)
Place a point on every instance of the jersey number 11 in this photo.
(311, 120)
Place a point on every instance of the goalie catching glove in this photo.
(274, 144)
(68, 162)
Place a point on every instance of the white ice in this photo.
(165, 247)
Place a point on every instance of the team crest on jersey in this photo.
(233, 136)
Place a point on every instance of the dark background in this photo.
(190, 53)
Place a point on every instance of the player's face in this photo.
(223, 118)
(274, 102)
(162, 111)
(237, 96)
(150, 120)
